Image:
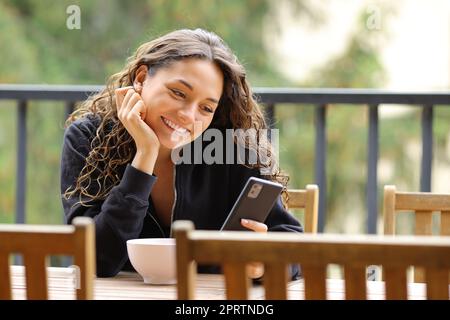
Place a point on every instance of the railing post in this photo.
(21, 174)
(320, 168)
(21, 161)
(372, 161)
(427, 148)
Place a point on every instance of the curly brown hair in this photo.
(112, 146)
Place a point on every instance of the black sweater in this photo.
(204, 194)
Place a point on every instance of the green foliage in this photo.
(44, 151)
(18, 56)
(111, 30)
(37, 47)
(357, 67)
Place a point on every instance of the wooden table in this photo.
(129, 285)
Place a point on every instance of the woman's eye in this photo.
(208, 109)
(178, 93)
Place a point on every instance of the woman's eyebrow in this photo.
(187, 84)
(190, 87)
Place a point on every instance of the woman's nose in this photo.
(187, 113)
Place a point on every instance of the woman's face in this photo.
(181, 100)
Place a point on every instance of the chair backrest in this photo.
(307, 199)
(233, 250)
(423, 204)
(36, 243)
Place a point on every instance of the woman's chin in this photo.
(173, 143)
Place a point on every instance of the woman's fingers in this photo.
(121, 108)
(120, 96)
(255, 270)
(254, 225)
(126, 100)
(140, 109)
(137, 113)
(128, 108)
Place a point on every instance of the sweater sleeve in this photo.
(120, 216)
(280, 219)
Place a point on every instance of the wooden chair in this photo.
(423, 204)
(307, 199)
(233, 250)
(36, 242)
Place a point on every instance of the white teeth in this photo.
(175, 127)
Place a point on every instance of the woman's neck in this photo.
(164, 157)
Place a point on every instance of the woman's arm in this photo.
(120, 216)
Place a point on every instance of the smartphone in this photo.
(255, 202)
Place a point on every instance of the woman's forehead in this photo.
(194, 74)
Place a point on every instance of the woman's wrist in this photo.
(145, 161)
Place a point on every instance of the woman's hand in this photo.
(254, 270)
(131, 111)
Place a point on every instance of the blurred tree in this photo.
(19, 56)
(37, 47)
(357, 67)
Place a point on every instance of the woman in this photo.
(117, 161)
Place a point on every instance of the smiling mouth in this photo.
(174, 127)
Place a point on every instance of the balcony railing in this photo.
(320, 98)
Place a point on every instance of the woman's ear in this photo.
(141, 75)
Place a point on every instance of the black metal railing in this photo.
(320, 98)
